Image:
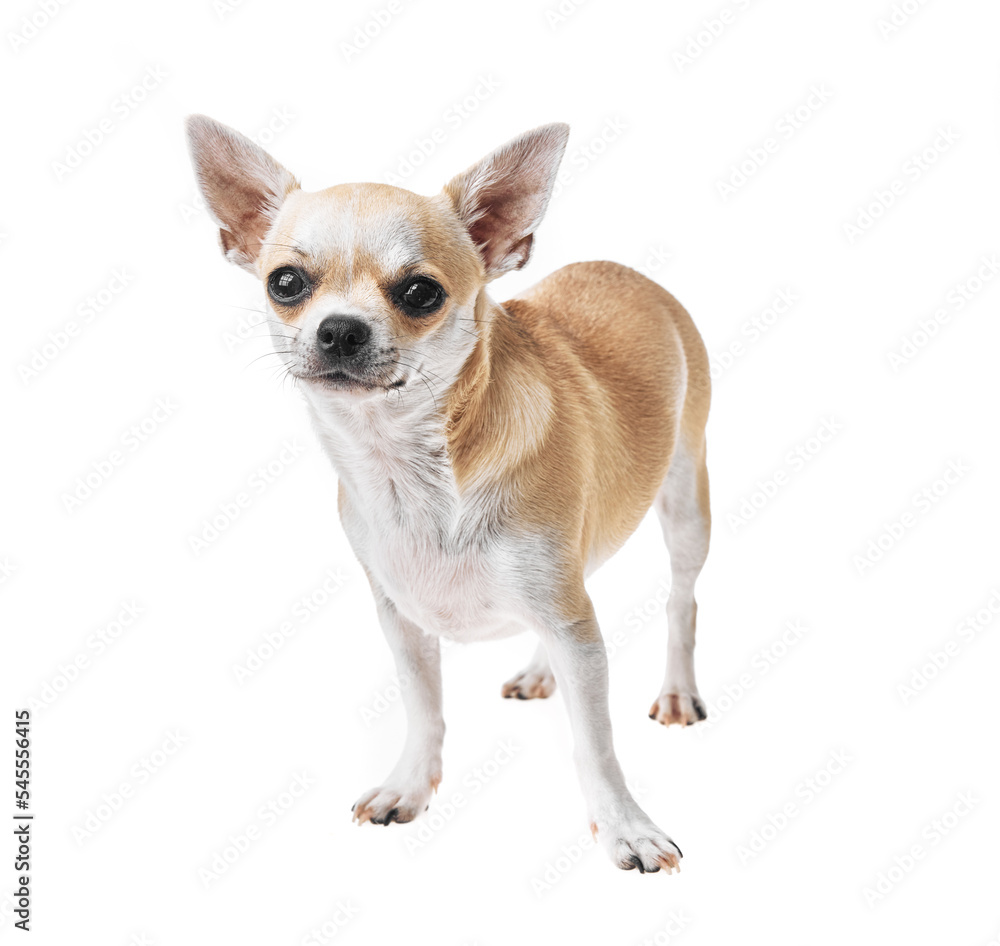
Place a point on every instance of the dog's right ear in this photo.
(242, 184)
(502, 199)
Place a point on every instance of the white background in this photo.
(500, 866)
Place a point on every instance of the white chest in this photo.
(447, 591)
(443, 560)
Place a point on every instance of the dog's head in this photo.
(371, 287)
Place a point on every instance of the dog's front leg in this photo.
(406, 791)
(580, 664)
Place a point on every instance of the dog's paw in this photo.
(393, 802)
(681, 708)
(530, 684)
(637, 843)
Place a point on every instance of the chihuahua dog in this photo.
(489, 456)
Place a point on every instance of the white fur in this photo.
(444, 563)
(686, 533)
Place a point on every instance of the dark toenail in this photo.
(520, 695)
(392, 814)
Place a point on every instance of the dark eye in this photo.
(287, 285)
(419, 296)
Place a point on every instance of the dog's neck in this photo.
(433, 443)
(390, 453)
(501, 405)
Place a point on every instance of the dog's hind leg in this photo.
(535, 681)
(683, 510)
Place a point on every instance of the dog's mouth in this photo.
(340, 380)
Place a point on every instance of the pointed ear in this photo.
(242, 184)
(502, 199)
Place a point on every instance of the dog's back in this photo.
(489, 456)
(624, 362)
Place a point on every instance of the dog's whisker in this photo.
(267, 354)
(427, 384)
(429, 374)
(511, 551)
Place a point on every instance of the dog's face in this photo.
(372, 285)
(372, 288)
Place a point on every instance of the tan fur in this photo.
(553, 423)
(357, 270)
(573, 401)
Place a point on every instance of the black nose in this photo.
(340, 335)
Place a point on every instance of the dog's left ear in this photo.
(502, 199)
(242, 184)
